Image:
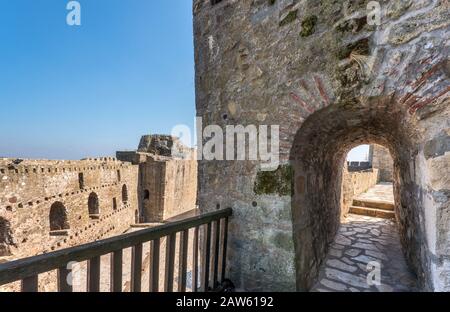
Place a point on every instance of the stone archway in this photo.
(317, 157)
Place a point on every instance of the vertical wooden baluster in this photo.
(93, 275)
(154, 266)
(182, 263)
(170, 262)
(65, 279)
(206, 257)
(30, 284)
(116, 271)
(195, 261)
(136, 268)
(216, 253)
(224, 249)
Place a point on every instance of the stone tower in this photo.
(381, 159)
(332, 77)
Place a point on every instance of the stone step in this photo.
(372, 212)
(378, 204)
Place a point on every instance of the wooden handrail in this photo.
(30, 267)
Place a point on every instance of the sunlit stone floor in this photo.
(361, 240)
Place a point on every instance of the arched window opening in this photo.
(58, 219)
(124, 194)
(146, 195)
(93, 206)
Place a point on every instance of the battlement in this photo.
(25, 166)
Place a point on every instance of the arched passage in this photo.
(6, 240)
(58, 217)
(318, 155)
(124, 194)
(93, 205)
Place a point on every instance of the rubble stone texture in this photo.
(332, 82)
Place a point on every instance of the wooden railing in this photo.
(212, 263)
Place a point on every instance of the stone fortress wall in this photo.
(167, 177)
(48, 205)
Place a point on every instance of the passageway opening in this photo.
(318, 157)
(366, 254)
(367, 178)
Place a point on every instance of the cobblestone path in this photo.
(361, 240)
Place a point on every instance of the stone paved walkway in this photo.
(380, 192)
(361, 240)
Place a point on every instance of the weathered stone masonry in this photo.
(167, 181)
(331, 82)
(50, 205)
(381, 159)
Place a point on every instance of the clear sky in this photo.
(359, 153)
(68, 92)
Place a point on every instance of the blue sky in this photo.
(359, 153)
(68, 92)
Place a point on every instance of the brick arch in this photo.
(58, 217)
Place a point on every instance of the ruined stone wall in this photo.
(31, 188)
(332, 82)
(167, 183)
(382, 160)
(356, 183)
